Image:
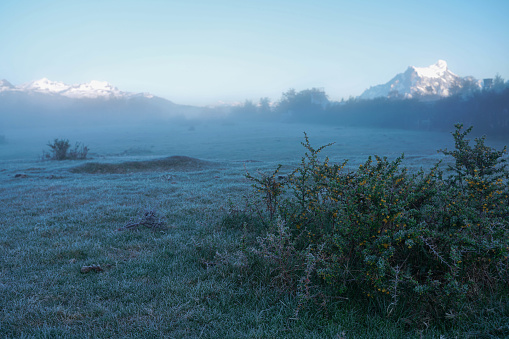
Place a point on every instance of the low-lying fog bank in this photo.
(242, 142)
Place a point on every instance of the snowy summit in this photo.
(437, 70)
(432, 81)
(91, 90)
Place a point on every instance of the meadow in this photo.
(187, 277)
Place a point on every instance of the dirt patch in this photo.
(174, 163)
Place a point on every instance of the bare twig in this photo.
(96, 268)
(435, 252)
(149, 219)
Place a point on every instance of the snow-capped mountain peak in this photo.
(434, 71)
(89, 90)
(45, 85)
(94, 89)
(433, 82)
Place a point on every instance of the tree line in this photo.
(487, 109)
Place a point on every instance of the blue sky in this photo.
(204, 51)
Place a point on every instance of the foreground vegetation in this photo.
(426, 248)
(185, 248)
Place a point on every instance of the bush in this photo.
(61, 150)
(428, 241)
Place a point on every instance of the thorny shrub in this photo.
(430, 240)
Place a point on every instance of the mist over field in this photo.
(251, 131)
(224, 141)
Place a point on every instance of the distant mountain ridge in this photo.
(45, 102)
(431, 82)
(91, 90)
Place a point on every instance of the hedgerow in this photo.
(433, 242)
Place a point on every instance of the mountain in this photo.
(92, 89)
(45, 102)
(432, 82)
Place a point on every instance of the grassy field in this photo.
(189, 278)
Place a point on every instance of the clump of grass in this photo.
(430, 242)
(60, 149)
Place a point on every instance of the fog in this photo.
(224, 141)
(264, 131)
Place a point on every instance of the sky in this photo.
(201, 52)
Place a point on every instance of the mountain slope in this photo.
(6, 86)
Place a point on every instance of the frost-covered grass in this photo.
(170, 282)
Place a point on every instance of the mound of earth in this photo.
(136, 151)
(174, 163)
